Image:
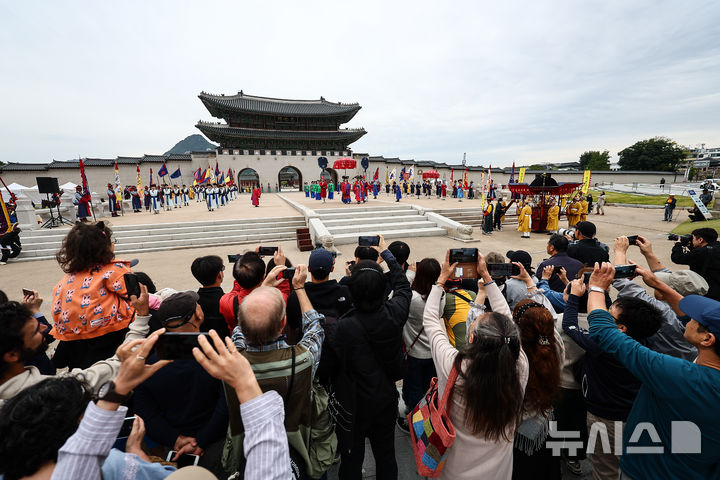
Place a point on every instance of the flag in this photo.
(139, 182)
(176, 174)
(86, 189)
(465, 183)
(163, 170)
(197, 175)
(377, 173)
(392, 175)
(217, 169)
(586, 181)
(521, 175)
(151, 180)
(118, 186)
(402, 174)
(410, 173)
(452, 172)
(387, 177)
(512, 174)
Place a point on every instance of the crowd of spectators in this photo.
(291, 371)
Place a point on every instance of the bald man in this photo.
(288, 369)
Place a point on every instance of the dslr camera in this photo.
(567, 232)
(684, 240)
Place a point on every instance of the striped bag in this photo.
(431, 431)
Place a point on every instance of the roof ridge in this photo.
(240, 94)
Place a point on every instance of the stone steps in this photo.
(42, 245)
(346, 225)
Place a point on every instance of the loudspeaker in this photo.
(47, 185)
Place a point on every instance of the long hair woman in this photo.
(544, 348)
(492, 371)
(91, 310)
(420, 366)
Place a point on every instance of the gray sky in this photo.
(524, 81)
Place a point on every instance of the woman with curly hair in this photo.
(91, 310)
(545, 350)
(492, 370)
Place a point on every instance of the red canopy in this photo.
(344, 163)
(431, 174)
(525, 189)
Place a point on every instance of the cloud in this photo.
(503, 81)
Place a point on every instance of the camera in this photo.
(685, 240)
(567, 232)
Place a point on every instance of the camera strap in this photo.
(468, 300)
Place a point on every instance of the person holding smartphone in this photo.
(186, 420)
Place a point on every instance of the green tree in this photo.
(537, 166)
(657, 153)
(594, 160)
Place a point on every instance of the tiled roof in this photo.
(24, 167)
(215, 131)
(179, 157)
(63, 164)
(129, 160)
(275, 106)
(153, 158)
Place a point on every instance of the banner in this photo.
(139, 182)
(176, 174)
(410, 173)
(118, 187)
(377, 173)
(512, 174)
(151, 180)
(586, 182)
(86, 189)
(387, 175)
(392, 175)
(700, 205)
(163, 170)
(521, 175)
(483, 192)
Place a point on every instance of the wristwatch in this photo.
(595, 288)
(107, 392)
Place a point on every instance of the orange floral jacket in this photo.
(92, 303)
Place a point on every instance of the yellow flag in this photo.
(521, 175)
(586, 182)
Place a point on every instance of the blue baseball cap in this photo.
(703, 310)
(321, 262)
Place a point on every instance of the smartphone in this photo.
(233, 258)
(557, 269)
(126, 427)
(185, 460)
(351, 264)
(267, 251)
(625, 271)
(632, 239)
(27, 292)
(288, 273)
(466, 259)
(131, 285)
(178, 345)
(621, 271)
(503, 269)
(368, 240)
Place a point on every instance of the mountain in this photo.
(193, 143)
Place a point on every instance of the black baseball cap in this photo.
(177, 309)
(586, 228)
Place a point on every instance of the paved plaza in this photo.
(172, 268)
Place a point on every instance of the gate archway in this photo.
(330, 175)
(290, 179)
(247, 179)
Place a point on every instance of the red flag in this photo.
(151, 182)
(86, 189)
(452, 171)
(377, 173)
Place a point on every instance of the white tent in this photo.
(68, 186)
(16, 186)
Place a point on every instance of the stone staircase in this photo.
(42, 244)
(345, 225)
(474, 216)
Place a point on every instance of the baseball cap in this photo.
(685, 282)
(178, 308)
(321, 262)
(586, 228)
(703, 310)
(520, 256)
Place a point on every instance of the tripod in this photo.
(54, 221)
